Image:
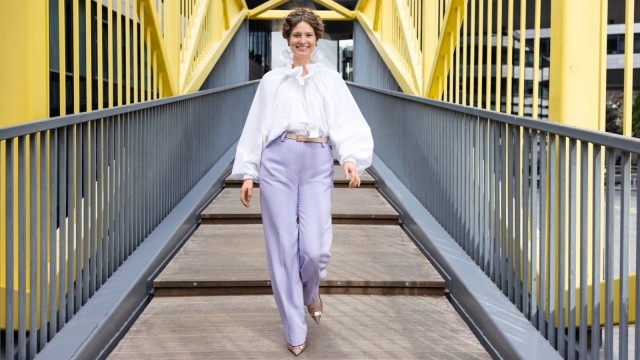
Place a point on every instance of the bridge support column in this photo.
(577, 71)
(24, 70)
(577, 91)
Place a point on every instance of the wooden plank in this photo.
(366, 180)
(231, 259)
(355, 206)
(248, 327)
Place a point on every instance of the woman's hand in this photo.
(351, 173)
(245, 192)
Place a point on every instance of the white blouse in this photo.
(318, 104)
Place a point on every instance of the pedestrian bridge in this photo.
(476, 234)
(168, 236)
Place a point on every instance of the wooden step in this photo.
(366, 180)
(350, 206)
(248, 327)
(231, 260)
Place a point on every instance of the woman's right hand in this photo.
(245, 192)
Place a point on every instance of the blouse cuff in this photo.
(247, 177)
(350, 160)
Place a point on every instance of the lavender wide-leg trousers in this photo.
(296, 183)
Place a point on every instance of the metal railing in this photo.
(535, 204)
(89, 189)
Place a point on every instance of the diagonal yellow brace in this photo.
(190, 44)
(269, 5)
(332, 5)
(448, 29)
(157, 43)
(327, 15)
(236, 12)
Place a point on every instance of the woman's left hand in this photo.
(351, 173)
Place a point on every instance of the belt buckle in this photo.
(301, 138)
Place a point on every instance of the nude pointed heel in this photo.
(315, 310)
(296, 350)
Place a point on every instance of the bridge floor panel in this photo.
(231, 260)
(248, 327)
(350, 206)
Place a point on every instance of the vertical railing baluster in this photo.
(596, 251)
(78, 277)
(111, 211)
(571, 267)
(542, 201)
(62, 226)
(70, 219)
(584, 246)
(481, 198)
(542, 234)
(495, 218)
(608, 249)
(117, 260)
(101, 204)
(44, 222)
(509, 220)
(552, 239)
(9, 249)
(94, 236)
(86, 219)
(139, 179)
(22, 247)
(54, 155)
(562, 245)
(623, 305)
(504, 206)
(34, 249)
(126, 238)
(522, 233)
(512, 223)
(532, 196)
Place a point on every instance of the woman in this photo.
(302, 116)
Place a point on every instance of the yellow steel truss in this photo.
(210, 27)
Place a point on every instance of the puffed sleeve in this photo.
(254, 134)
(349, 133)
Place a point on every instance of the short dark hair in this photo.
(299, 15)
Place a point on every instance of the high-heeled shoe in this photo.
(296, 350)
(315, 310)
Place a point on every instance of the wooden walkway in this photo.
(213, 300)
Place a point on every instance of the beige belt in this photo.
(305, 138)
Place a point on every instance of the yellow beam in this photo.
(192, 39)
(449, 27)
(271, 4)
(326, 15)
(211, 56)
(24, 89)
(616, 302)
(146, 7)
(387, 54)
(332, 5)
(411, 42)
(429, 39)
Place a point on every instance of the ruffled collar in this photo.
(287, 57)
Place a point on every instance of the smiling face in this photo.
(302, 40)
